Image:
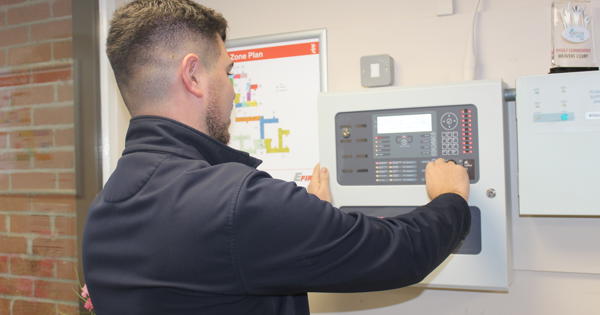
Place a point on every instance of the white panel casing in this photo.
(559, 144)
(488, 270)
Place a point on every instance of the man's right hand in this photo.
(446, 177)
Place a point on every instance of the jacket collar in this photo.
(161, 134)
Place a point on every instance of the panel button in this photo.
(469, 164)
(449, 121)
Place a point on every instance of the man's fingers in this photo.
(314, 185)
(324, 190)
(443, 176)
(319, 183)
(324, 178)
(316, 177)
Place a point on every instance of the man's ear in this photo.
(190, 74)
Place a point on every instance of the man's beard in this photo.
(216, 128)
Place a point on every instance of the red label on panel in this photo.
(274, 52)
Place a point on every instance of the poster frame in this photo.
(317, 34)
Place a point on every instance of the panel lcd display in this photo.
(404, 123)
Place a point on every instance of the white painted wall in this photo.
(114, 114)
(514, 35)
(556, 260)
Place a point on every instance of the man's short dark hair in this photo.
(144, 32)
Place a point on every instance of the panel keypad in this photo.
(449, 142)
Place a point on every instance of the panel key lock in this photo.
(346, 132)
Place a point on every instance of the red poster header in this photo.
(303, 49)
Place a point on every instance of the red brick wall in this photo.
(38, 234)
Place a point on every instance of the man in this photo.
(187, 225)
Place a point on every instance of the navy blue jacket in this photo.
(186, 225)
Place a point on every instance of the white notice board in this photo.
(277, 80)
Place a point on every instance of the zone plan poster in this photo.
(274, 116)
